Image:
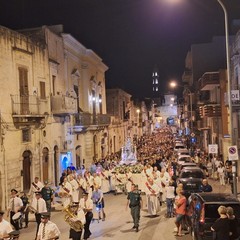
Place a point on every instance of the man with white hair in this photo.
(152, 191)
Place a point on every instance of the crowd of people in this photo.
(82, 190)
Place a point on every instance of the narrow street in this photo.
(118, 224)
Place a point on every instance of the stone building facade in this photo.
(52, 106)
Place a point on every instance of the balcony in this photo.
(29, 110)
(63, 105)
(87, 121)
(210, 110)
(209, 81)
(187, 76)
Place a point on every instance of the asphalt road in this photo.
(118, 223)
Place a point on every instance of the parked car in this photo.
(183, 159)
(205, 212)
(179, 146)
(191, 178)
(187, 164)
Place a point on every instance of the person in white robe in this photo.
(65, 192)
(75, 189)
(152, 191)
(105, 186)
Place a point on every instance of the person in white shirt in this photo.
(5, 227)
(36, 186)
(38, 206)
(47, 229)
(86, 204)
(79, 217)
(170, 197)
(15, 206)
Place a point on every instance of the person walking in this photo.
(5, 227)
(170, 196)
(38, 206)
(180, 202)
(15, 206)
(48, 195)
(47, 229)
(234, 224)
(86, 204)
(97, 197)
(75, 234)
(221, 173)
(24, 210)
(221, 227)
(135, 204)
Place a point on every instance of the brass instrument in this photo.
(75, 225)
(32, 209)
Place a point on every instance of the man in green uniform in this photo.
(47, 195)
(135, 204)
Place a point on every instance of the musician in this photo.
(79, 216)
(117, 182)
(97, 197)
(38, 205)
(36, 186)
(48, 195)
(5, 227)
(15, 206)
(65, 192)
(75, 186)
(152, 191)
(47, 229)
(86, 204)
(24, 209)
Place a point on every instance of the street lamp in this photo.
(231, 132)
(173, 85)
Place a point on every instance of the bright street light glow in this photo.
(173, 84)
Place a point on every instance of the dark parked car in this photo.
(191, 178)
(205, 212)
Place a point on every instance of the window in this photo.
(26, 135)
(53, 85)
(100, 103)
(42, 90)
(156, 89)
(156, 81)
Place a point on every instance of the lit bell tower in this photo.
(155, 82)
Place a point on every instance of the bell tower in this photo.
(155, 82)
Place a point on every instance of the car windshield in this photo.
(192, 174)
(211, 210)
(185, 159)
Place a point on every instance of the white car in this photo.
(183, 159)
(183, 151)
(179, 146)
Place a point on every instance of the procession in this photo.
(146, 174)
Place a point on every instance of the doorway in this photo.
(78, 157)
(26, 164)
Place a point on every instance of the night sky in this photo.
(131, 36)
